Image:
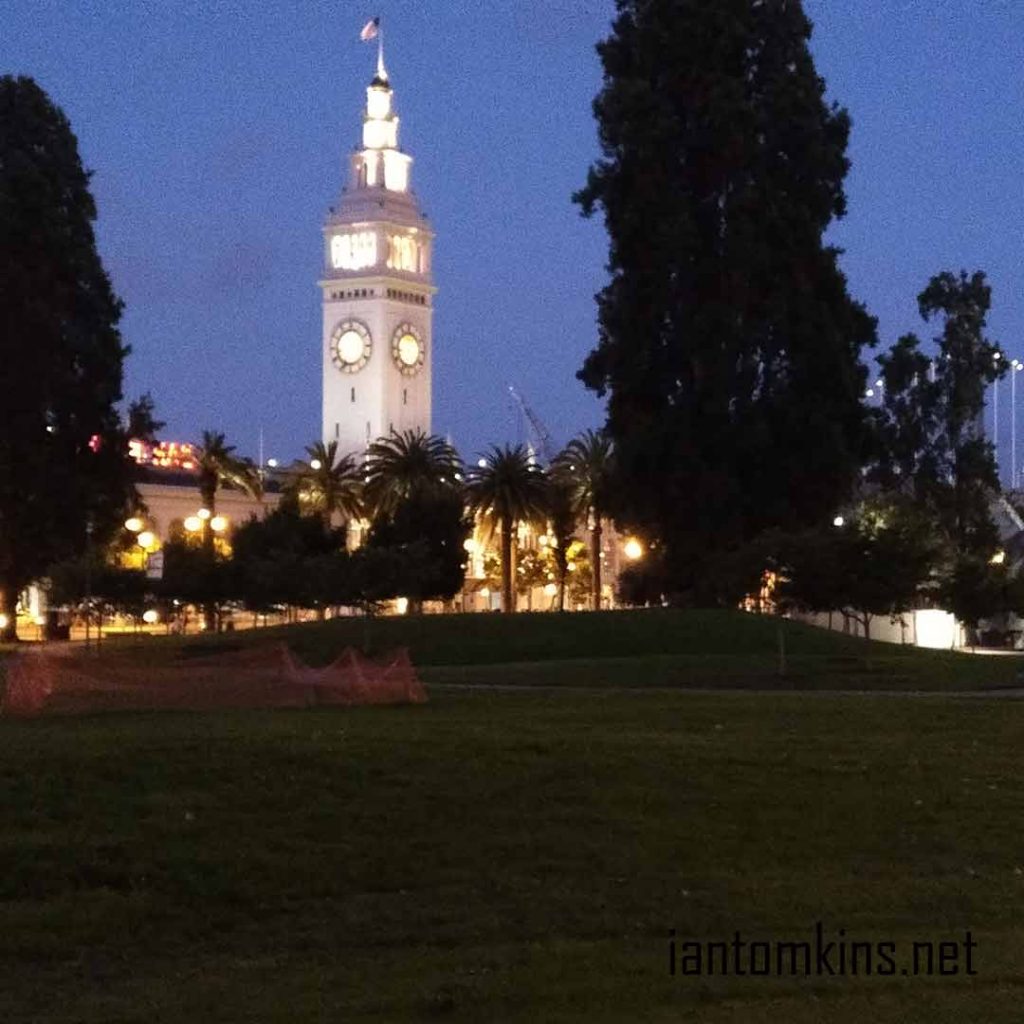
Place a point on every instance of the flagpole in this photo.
(381, 72)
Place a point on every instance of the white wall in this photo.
(926, 627)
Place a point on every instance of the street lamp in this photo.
(1015, 367)
(995, 411)
(633, 549)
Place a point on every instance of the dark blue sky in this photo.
(218, 134)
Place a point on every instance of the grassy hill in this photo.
(640, 648)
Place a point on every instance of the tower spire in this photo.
(382, 72)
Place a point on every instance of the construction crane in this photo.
(540, 439)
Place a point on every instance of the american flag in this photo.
(370, 30)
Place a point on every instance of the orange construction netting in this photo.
(260, 677)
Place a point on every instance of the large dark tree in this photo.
(729, 348)
(63, 470)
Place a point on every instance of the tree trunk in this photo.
(9, 606)
(507, 569)
(210, 623)
(595, 563)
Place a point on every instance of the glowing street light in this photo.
(134, 524)
(146, 540)
(315, 464)
(219, 524)
(204, 513)
(193, 524)
(838, 521)
(633, 549)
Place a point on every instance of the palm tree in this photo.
(218, 466)
(585, 464)
(508, 488)
(326, 484)
(562, 528)
(400, 465)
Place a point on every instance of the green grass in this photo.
(655, 647)
(504, 856)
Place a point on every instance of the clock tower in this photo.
(377, 288)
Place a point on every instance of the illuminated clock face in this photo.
(354, 251)
(407, 349)
(351, 346)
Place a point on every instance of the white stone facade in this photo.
(377, 292)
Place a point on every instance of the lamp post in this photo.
(88, 579)
(1015, 365)
(995, 413)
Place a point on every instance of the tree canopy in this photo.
(505, 489)
(929, 440)
(729, 347)
(63, 468)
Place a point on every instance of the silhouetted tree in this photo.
(64, 473)
(729, 348)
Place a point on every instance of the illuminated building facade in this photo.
(377, 291)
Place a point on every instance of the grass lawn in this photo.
(653, 647)
(506, 856)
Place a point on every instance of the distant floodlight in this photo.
(838, 521)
